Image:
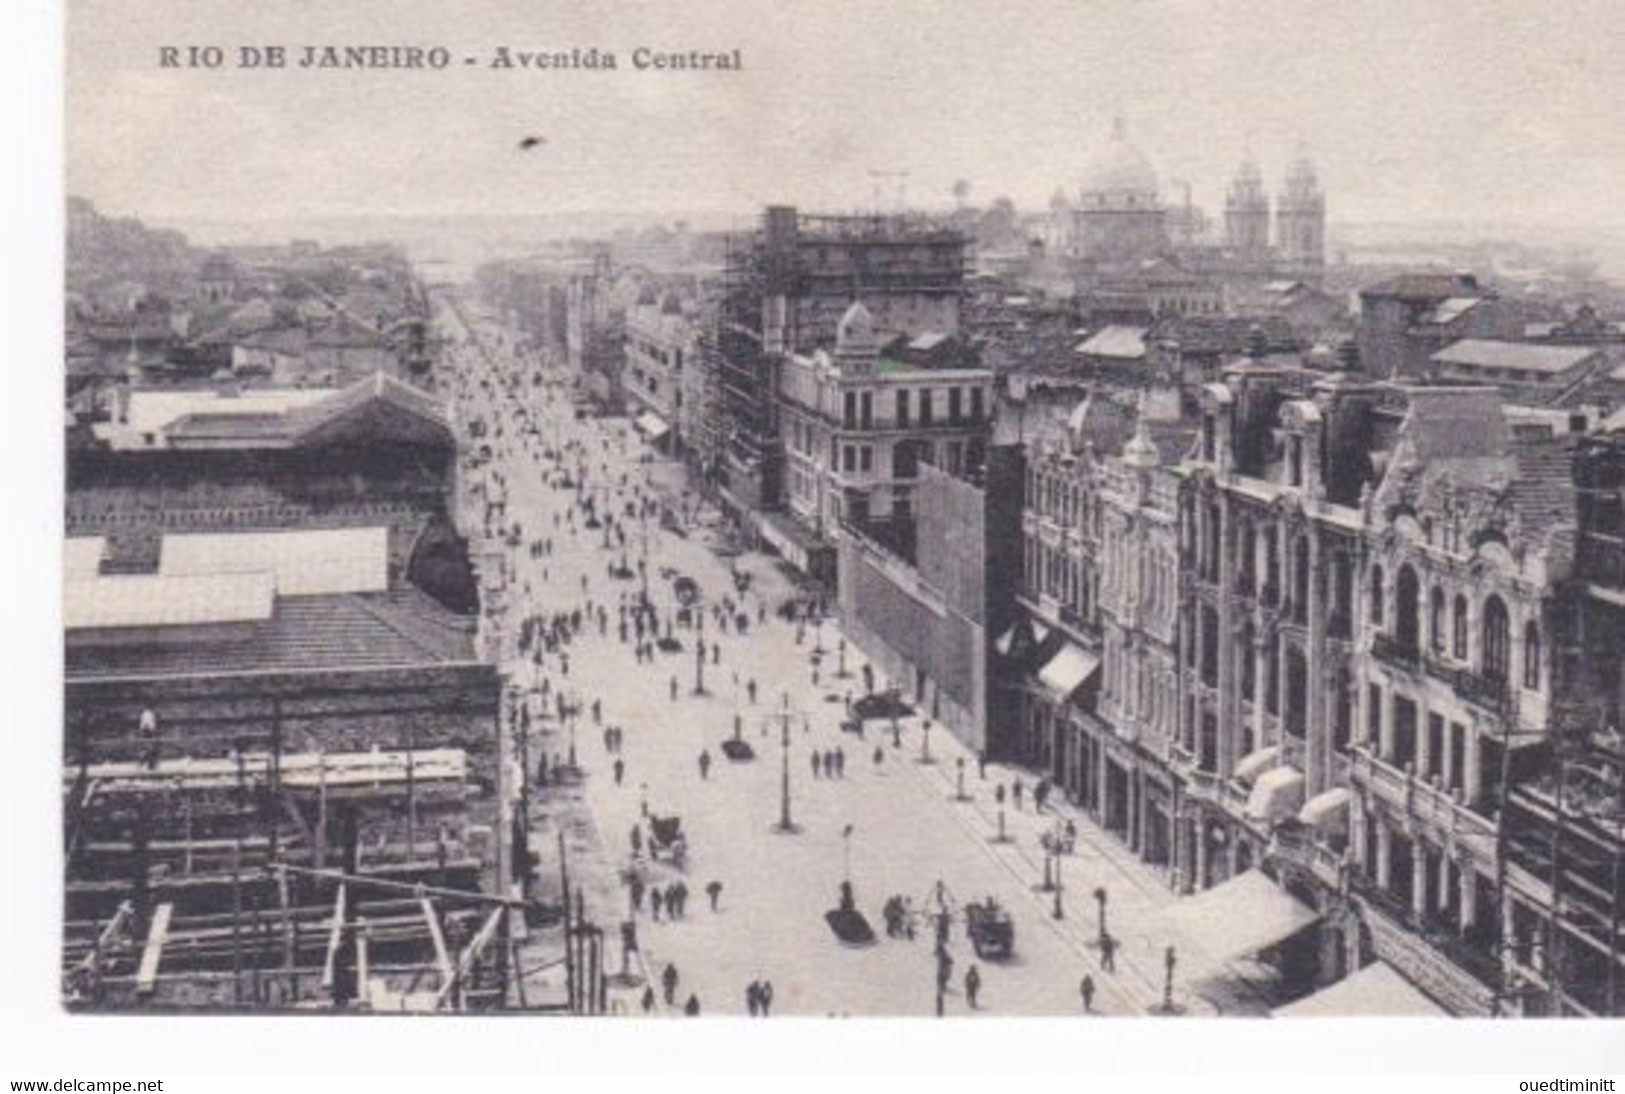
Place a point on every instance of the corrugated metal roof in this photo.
(166, 601)
(329, 560)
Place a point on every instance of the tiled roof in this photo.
(1423, 287)
(1453, 423)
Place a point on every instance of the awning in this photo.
(1376, 991)
(1007, 641)
(1064, 673)
(1254, 764)
(1277, 793)
(1327, 811)
(651, 425)
(1239, 917)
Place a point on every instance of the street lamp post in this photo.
(699, 668)
(1169, 960)
(1100, 901)
(1057, 912)
(925, 743)
(959, 792)
(840, 671)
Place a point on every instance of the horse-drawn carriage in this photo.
(666, 840)
(991, 932)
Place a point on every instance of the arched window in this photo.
(1531, 656)
(1458, 644)
(1497, 638)
(1407, 614)
(1377, 593)
(1436, 620)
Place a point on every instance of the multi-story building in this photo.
(859, 423)
(1091, 663)
(661, 343)
(785, 289)
(1405, 320)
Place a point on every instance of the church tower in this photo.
(1300, 218)
(1247, 213)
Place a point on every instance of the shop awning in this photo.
(1376, 991)
(652, 425)
(1327, 811)
(1277, 793)
(1066, 672)
(1239, 917)
(1254, 764)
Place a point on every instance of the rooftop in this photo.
(344, 631)
(1484, 353)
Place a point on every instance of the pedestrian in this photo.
(973, 984)
(750, 689)
(713, 889)
(668, 981)
(840, 763)
(680, 891)
(1086, 989)
(619, 769)
(673, 689)
(880, 757)
(716, 653)
(648, 1000)
(657, 900)
(637, 841)
(753, 999)
(817, 764)
(705, 764)
(1016, 794)
(765, 994)
(692, 1007)
(981, 765)
(998, 794)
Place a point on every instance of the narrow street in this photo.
(891, 821)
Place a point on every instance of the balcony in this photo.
(1391, 651)
(1425, 802)
(1296, 846)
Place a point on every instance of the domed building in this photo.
(1120, 219)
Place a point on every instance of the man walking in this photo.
(1086, 989)
(668, 981)
(973, 984)
(714, 891)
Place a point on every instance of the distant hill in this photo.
(105, 251)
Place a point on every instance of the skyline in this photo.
(1462, 125)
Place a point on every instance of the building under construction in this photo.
(786, 286)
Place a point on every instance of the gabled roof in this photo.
(1120, 342)
(1423, 287)
(1454, 423)
(1484, 353)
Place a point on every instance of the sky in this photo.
(1412, 109)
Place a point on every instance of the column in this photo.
(1385, 848)
(1471, 770)
(1423, 748)
(1386, 749)
(1469, 896)
(1419, 878)
(1199, 831)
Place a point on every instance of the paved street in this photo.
(908, 830)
